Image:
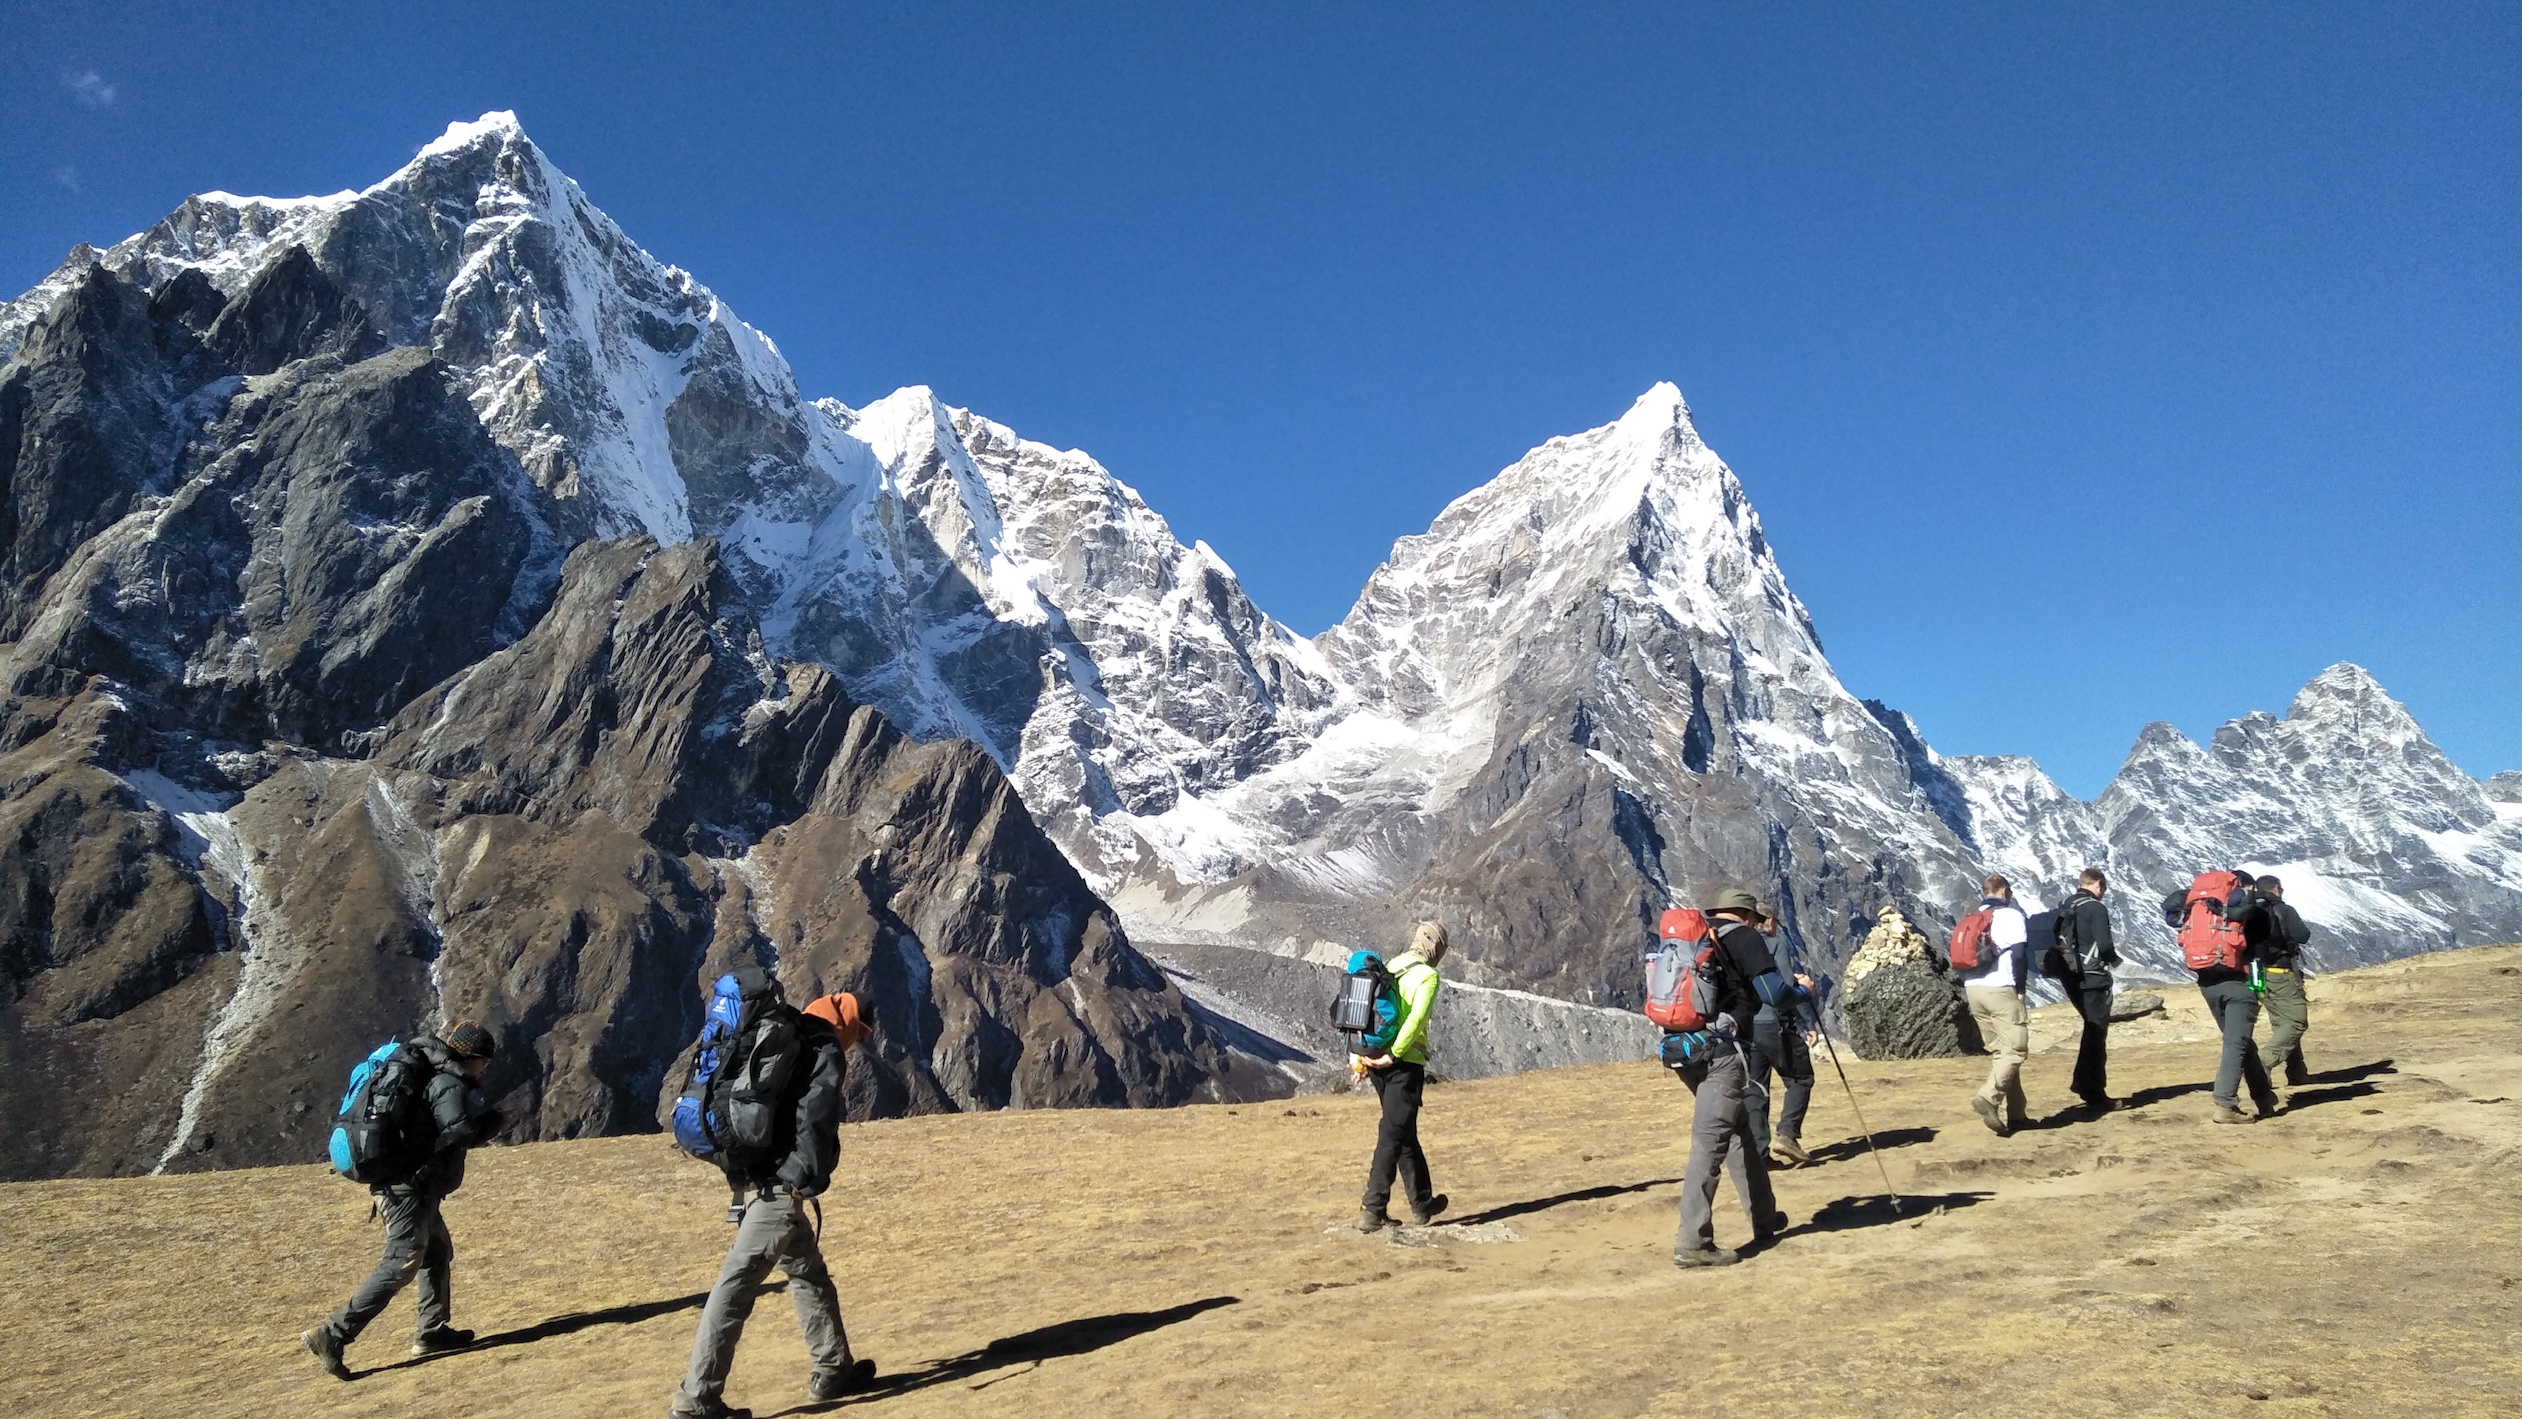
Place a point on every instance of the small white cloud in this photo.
(67, 176)
(90, 89)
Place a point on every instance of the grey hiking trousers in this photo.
(416, 1245)
(1720, 1137)
(776, 1231)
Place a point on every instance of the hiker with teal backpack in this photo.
(763, 1103)
(1399, 1071)
(412, 1112)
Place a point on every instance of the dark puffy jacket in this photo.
(2287, 936)
(457, 1111)
(811, 1147)
(2094, 948)
(1742, 956)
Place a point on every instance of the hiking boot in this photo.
(2099, 1104)
(1435, 1208)
(2226, 1113)
(1704, 1256)
(440, 1339)
(327, 1351)
(1789, 1153)
(832, 1384)
(1988, 1114)
(1767, 1233)
(712, 1410)
(2271, 1106)
(1371, 1220)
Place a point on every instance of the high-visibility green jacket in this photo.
(1417, 983)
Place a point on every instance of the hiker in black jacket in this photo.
(1720, 1120)
(774, 1230)
(2087, 951)
(2234, 1004)
(2281, 971)
(1780, 1032)
(416, 1240)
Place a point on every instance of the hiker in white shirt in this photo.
(1995, 993)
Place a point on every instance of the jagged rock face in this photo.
(2384, 846)
(1908, 1011)
(2505, 787)
(1898, 1002)
(309, 738)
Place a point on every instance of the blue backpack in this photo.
(1368, 1007)
(378, 1135)
(748, 1053)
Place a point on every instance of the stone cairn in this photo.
(1900, 1003)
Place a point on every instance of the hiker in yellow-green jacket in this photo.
(1400, 1077)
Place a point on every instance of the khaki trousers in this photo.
(2007, 1028)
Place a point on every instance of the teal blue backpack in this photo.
(377, 1137)
(1368, 1007)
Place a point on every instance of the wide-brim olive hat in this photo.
(1735, 899)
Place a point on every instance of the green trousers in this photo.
(2288, 1016)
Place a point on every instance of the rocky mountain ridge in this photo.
(279, 470)
(2384, 846)
(342, 693)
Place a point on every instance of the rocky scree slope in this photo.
(327, 711)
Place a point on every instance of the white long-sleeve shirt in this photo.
(2007, 934)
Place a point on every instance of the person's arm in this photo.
(2092, 925)
(454, 1112)
(1418, 1004)
(816, 1147)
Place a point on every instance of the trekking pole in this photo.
(1860, 1122)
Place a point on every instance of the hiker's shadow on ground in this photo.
(1847, 1148)
(1877, 1209)
(2163, 1093)
(1543, 1204)
(2306, 1098)
(1030, 1349)
(2348, 1074)
(570, 1324)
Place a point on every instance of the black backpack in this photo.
(382, 1131)
(751, 1053)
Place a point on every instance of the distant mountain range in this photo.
(421, 601)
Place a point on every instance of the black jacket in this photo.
(1742, 956)
(2094, 950)
(2286, 937)
(812, 1146)
(456, 1111)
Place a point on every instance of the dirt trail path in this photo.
(2360, 1255)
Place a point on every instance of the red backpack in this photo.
(1970, 936)
(2207, 940)
(1681, 973)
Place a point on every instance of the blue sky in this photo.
(2089, 365)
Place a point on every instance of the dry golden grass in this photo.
(2360, 1255)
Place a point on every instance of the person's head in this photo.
(1768, 923)
(2093, 881)
(472, 1047)
(1995, 885)
(851, 1018)
(2272, 887)
(1429, 941)
(1735, 904)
